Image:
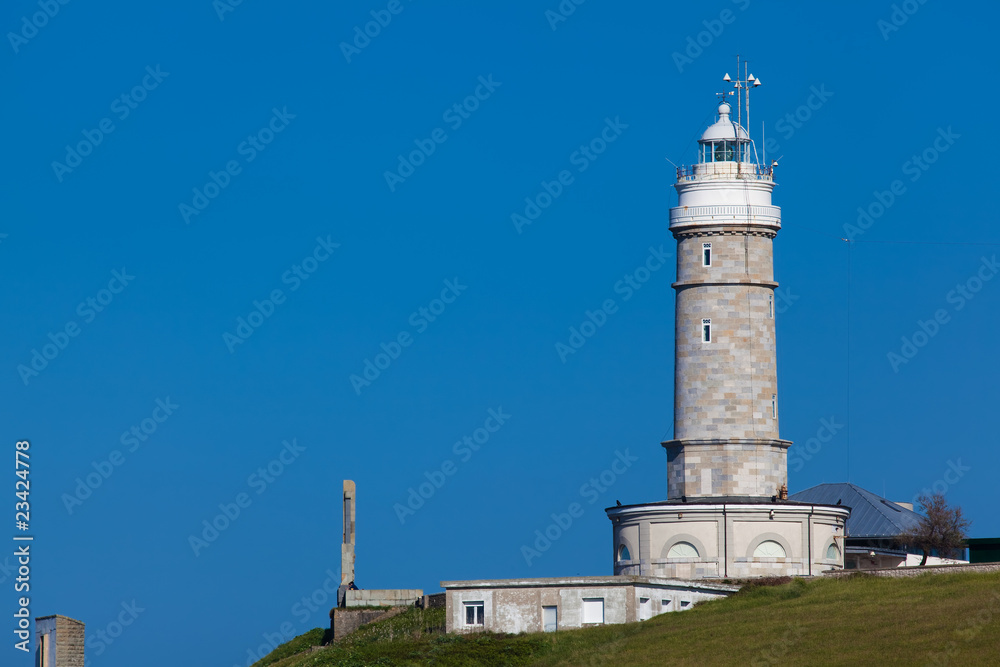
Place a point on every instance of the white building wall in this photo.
(515, 606)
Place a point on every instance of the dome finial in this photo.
(724, 107)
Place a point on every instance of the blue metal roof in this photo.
(871, 515)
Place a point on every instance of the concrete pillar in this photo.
(59, 641)
(347, 547)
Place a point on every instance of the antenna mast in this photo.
(763, 144)
(745, 84)
(739, 99)
(747, 80)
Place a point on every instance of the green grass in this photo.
(932, 619)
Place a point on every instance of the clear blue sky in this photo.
(389, 249)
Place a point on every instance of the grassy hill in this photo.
(943, 619)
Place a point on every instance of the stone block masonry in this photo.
(726, 440)
(59, 641)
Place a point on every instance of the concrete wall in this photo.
(346, 621)
(432, 601)
(383, 598)
(515, 606)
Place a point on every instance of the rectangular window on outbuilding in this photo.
(474, 613)
(706, 254)
(706, 331)
(593, 610)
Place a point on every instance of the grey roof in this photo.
(871, 515)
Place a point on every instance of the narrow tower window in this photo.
(706, 254)
(706, 331)
(770, 306)
(774, 406)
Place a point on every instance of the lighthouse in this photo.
(726, 439)
(726, 512)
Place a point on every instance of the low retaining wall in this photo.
(434, 600)
(345, 621)
(917, 571)
(397, 597)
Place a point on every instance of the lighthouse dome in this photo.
(724, 128)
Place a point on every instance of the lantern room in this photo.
(725, 140)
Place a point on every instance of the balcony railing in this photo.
(724, 170)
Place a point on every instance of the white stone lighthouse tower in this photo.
(726, 513)
(725, 379)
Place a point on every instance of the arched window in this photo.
(683, 550)
(623, 553)
(769, 549)
(832, 552)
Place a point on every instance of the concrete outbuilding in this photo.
(560, 603)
